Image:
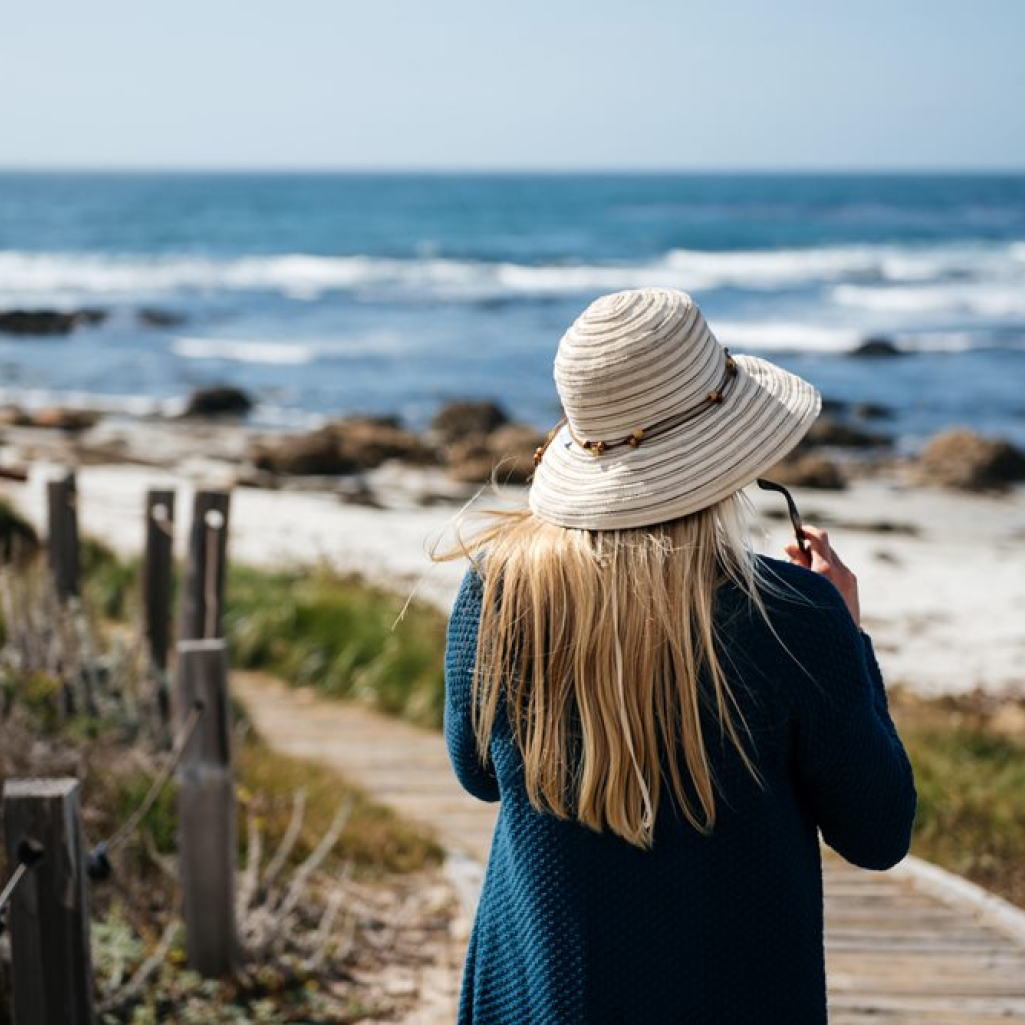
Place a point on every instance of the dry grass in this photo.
(969, 759)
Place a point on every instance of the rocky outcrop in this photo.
(828, 431)
(878, 346)
(962, 459)
(507, 452)
(344, 446)
(55, 417)
(462, 420)
(153, 316)
(810, 471)
(218, 400)
(48, 322)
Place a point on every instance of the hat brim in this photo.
(765, 413)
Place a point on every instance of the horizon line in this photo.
(538, 170)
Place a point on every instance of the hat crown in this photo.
(634, 358)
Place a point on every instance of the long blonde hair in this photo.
(597, 639)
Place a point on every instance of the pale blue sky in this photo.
(560, 84)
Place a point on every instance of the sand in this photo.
(942, 575)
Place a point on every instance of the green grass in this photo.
(339, 635)
(970, 776)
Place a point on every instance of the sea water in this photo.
(328, 294)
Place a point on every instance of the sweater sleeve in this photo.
(851, 763)
(477, 775)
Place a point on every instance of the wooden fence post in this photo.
(62, 535)
(157, 581)
(49, 912)
(206, 810)
(203, 597)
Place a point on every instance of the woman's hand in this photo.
(821, 558)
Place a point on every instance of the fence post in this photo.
(157, 580)
(49, 912)
(203, 597)
(206, 810)
(62, 535)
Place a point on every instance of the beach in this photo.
(941, 573)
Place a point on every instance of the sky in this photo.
(529, 84)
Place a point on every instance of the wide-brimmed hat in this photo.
(661, 420)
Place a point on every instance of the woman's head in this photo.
(598, 623)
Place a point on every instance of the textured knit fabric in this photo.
(576, 926)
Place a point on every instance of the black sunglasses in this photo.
(795, 516)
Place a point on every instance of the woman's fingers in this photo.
(823, 558)
(798, 555)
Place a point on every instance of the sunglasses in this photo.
(795, 516)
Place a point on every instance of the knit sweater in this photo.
(576, 926)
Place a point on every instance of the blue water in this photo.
(328, 294)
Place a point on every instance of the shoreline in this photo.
(942, 573)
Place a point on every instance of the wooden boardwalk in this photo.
(907, 946)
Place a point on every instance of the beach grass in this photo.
(341, 636)
(969, 760)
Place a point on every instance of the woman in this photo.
(667, 718)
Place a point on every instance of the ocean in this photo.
(329, 294)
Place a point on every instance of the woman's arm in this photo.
(476, 776)
(851, 764)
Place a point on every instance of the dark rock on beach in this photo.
(878, 346)
(463, 419)
(55, 417)
(962, 459)
(219, 400)
(153, 316)
(48, 322)
(342, 447)
(809, 471)
(828, 431)
(507, 452)
(871, 411)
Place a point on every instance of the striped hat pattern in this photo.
(661, 420)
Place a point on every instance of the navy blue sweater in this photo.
(580, 927)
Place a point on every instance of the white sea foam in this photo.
(783, 336)
(291, 352)
(68, 277)
(239, 351)
(996, 300)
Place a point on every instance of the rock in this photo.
(829, 431)
(871, 411)
(457, 421)
(813, 471)
(48, 322)
(833, 405)
(152, 316)
(344, 446)
(218, 400)
(509, 448)
(878, 346)
(960, 458)
(56, 417)
(59, 418)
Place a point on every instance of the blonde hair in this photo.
(598, 640)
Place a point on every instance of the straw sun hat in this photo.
(661, 420)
